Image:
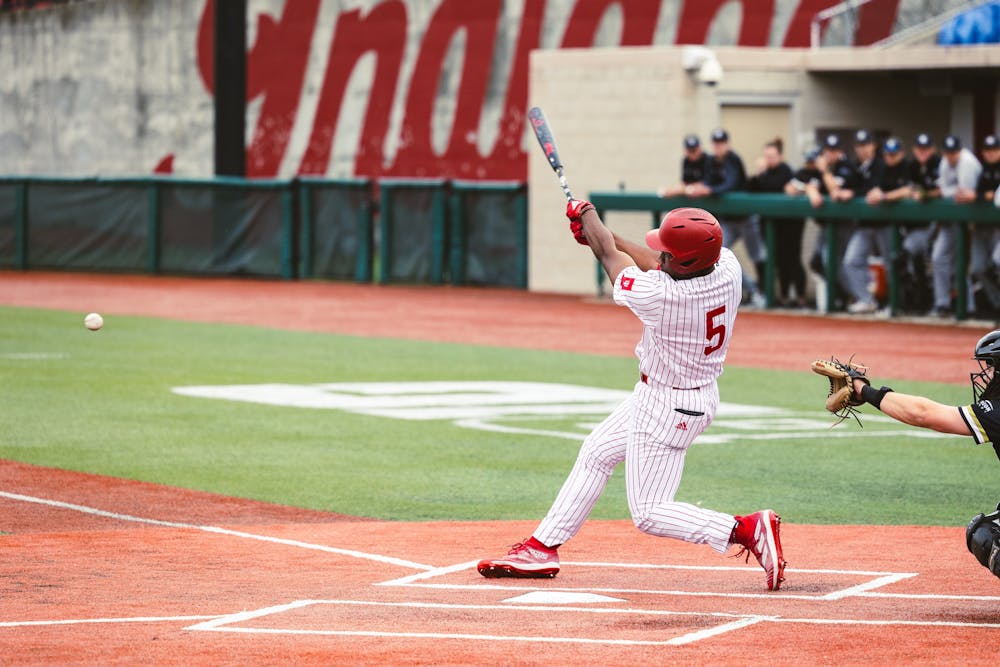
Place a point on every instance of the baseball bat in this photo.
(548, 143)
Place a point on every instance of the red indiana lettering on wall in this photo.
(278, 60)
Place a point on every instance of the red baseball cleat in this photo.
(529, 559)
(759, 534)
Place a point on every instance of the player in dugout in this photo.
(980, 419)
(693, 168)
(687, 274)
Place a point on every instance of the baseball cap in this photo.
(991, 141)
(691, 141)
(719, 134)
(951, 144)
(832, 141)
(863, 137)
(811, 155)
(924, 140)
(892, 145)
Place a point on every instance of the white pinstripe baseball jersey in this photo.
(687, 324)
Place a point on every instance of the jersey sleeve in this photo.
(983, 420)
(641, 292)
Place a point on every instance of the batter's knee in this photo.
(641, 519)
(601, 456)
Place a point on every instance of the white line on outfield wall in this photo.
(215, 529)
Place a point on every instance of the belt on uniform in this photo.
(645, 380)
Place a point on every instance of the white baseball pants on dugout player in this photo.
(649, 433)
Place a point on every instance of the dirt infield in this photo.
(106, 571)
(163, 576)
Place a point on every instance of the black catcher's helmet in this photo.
(987, 353)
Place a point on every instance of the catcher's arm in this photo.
(916, 410)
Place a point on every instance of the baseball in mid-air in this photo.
(93, 321)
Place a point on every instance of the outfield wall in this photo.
(338, 88)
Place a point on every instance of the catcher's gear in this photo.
(842, 400)
(982, 536)
(691, 237)
(987, 353)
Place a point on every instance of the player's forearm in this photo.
(924, 413)
(645, 258)
(600, 238)
(900, 193)
(602, 244)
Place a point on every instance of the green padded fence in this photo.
(832, 215)
(153, 224)
(336, 229)
(489, 234)
(430, 231)
(412, 231)
(12, 204)
(226, 226)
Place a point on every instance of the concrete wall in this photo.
(102, 87)
(336, 87)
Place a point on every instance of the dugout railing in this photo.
(773, 208)
(413, 231)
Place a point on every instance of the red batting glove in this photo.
(575, 208)
(576, 227)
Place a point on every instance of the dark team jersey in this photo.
(770, 180)
(727, 175)
(846, 175)
(989, 179)
(925, 175)
(693, 171)
(807, 175)
(895, 176)
(983, 420)
(870, 175)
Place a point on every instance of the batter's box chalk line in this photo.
(721, 622)
(876, 580)
(730, 622)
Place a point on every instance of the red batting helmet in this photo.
(691, 236)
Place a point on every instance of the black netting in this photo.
(494, 238)
(414, 247)
(341, 232)
(87, 226)
(8, 225)
(219, 230)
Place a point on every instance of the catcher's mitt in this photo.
(841, 400)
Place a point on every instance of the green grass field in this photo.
(102, 403)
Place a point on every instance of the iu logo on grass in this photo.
(531, 408)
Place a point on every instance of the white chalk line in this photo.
(868, 585)
(128, 619)
(881, 579)
(221, 531)
(735, 622)
(224, 623)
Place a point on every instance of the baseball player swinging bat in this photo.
(548, 143)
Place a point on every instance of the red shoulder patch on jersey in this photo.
(627, 283)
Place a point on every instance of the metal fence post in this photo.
(21, 225)
(154, 228)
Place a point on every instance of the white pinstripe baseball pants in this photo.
(651, 436)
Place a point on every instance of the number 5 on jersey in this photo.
(713, 330)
